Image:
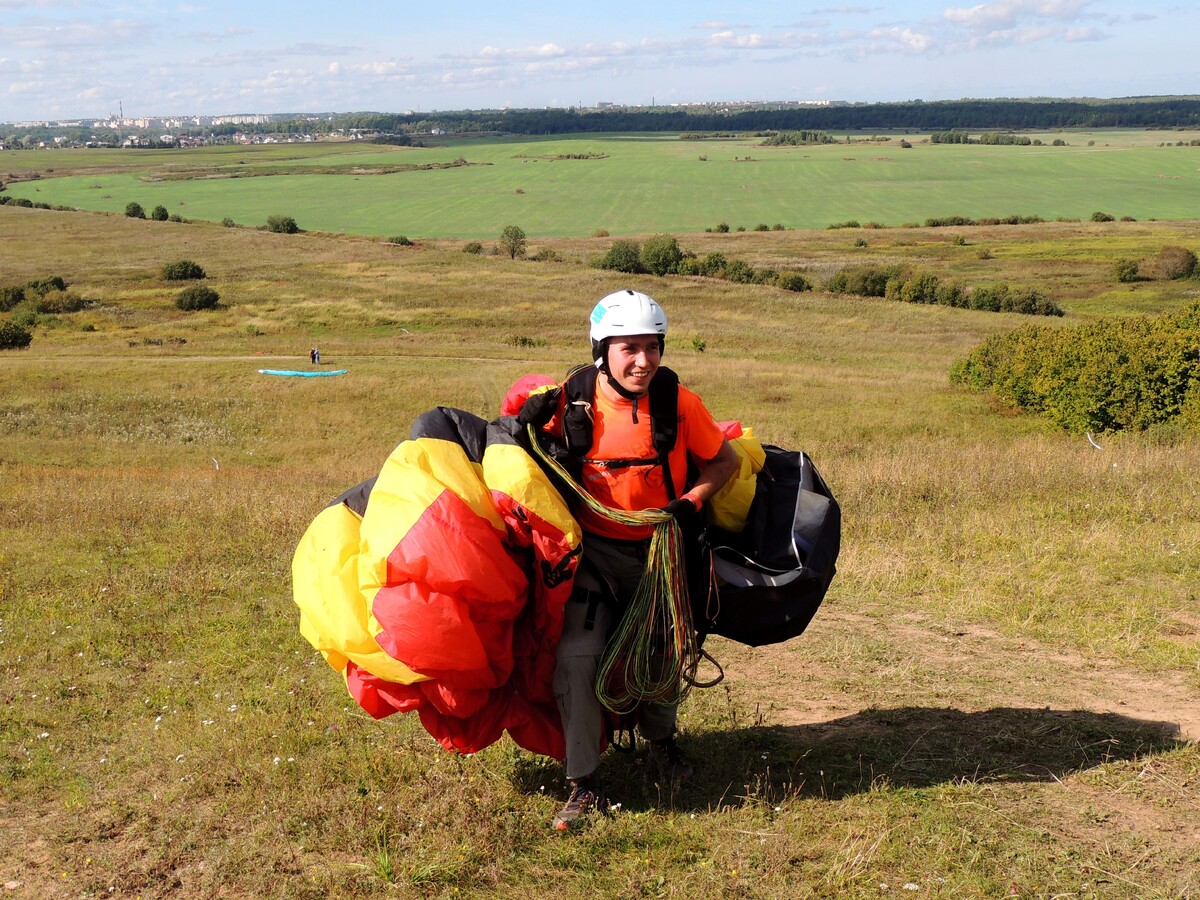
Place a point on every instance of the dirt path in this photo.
(848, 662)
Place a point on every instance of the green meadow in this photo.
(999, 697)
(626, 184)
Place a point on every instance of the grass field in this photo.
(1000, 696)
(634, 184)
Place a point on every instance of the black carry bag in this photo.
(773, 576)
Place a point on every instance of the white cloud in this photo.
(905, 39)
(1006, 13)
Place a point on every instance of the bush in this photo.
(793, 281)
(660, 255)
(1125, 270)
(722, 228)
(175, 217)
(159, 213)
(43, 286)
(228, 222)
(1108, 375)
(777, 227)
(135, 211)
(739, 272)
(546, 254)
(622, 256)
(600, 232)
(473, 247)
(400, 240)
(712, 265)
(10, 296)
(1101, 217)
(182, 270)
(866, 281)
(762, 226)
(197, 297)
(282, 225)
(1175, 262)
(13, 336)
(57, 302)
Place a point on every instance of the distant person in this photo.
(623, 470)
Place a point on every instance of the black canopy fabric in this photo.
(773, 576)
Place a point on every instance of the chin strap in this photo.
(627, 394)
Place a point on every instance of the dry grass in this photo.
(166, 731)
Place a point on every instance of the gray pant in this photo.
(613, 569)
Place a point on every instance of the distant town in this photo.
(255, 128)
(689, 120)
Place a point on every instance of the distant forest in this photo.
(916, 116)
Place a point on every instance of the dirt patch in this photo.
(848, 662)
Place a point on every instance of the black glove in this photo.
(539, 408)
(682, 509)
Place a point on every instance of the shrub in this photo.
(13, 336)
(849, 223)
(282, 225)
(400, 240)
(135, 211)
(660, 255)
(10, 296)
(1175, 262)
(159, 213)
(777, 227)
(722, 228)
(762, 226)
(793, 281)
(57, 302)
(197, 297)
(546, 254)
(1101, 217)
(175, 217)
(866, 281)
(228, 222)
(45, 285)
(622, 256)
(600, 232)
(1107, 375)
(860, 242)
(1125, 270)
(765, 276)
(473, 247)
(182, 270)
(739, 272)
(712, 265)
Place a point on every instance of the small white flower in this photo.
(291, 759)
(179, 758)
(233, 707)
(277, 760)
(911, 887)
(43, 735)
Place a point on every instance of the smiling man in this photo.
(640, 440)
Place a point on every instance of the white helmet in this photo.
(626, 313)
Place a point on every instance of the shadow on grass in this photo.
(910, 747)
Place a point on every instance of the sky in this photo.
(64, 59)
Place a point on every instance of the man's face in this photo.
(633, 360)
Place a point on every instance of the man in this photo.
(622, 467)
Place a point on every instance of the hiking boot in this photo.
(586, 798)
(670, 763)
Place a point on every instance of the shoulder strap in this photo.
(580, 390)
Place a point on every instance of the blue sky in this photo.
(85, 58)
